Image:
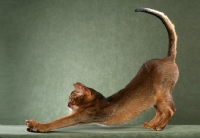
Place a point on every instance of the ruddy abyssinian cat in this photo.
(152, 86)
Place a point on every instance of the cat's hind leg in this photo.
(167, 114)
(167, 109)
(155, 120)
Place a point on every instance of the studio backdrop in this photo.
(47, 45)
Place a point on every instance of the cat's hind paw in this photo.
(146, 125)
(157, 128)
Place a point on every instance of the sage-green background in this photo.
(47, 45)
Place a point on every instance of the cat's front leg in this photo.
(69, 120)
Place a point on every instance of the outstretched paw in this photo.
(30, 129)
(33, 126)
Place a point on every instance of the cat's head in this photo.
(80, 96)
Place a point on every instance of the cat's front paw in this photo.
(33, 126)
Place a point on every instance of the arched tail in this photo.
(170, 29)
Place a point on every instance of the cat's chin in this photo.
(70, 110)
(73, 108)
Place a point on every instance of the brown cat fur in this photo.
(152, 86)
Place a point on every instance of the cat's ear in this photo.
(80, 88)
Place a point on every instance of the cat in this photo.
(151, 87)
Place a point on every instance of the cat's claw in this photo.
(30, 129)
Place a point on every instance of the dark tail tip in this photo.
(140, 10)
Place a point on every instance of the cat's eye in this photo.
(71, 99)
